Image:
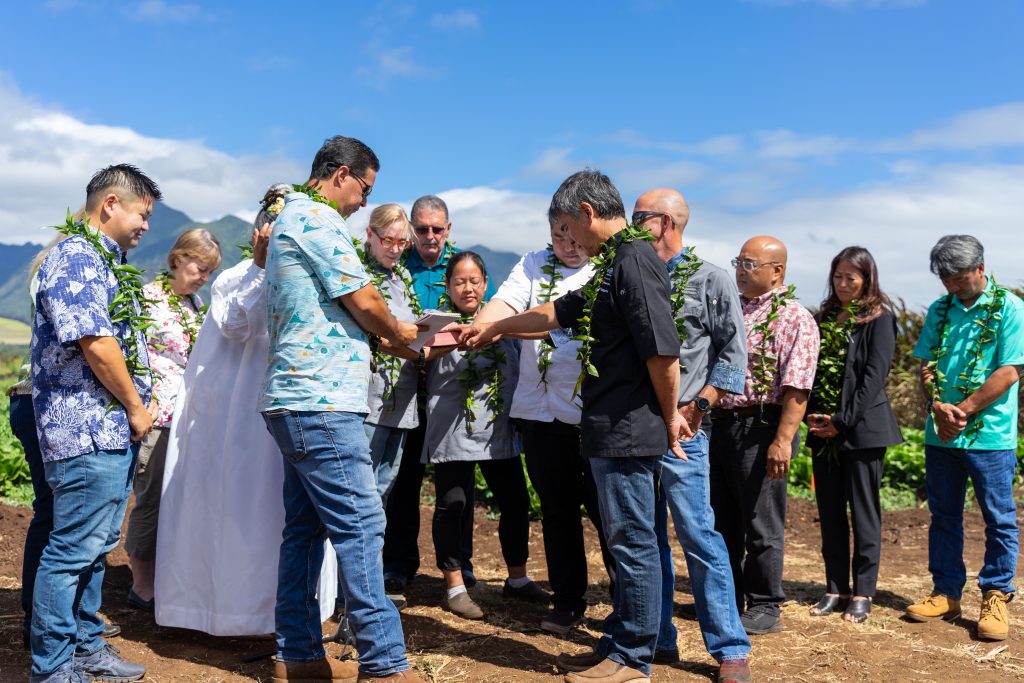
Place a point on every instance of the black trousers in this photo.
(563, 482)
(454, 483)
(401, 536)
(750, 509)
(853, 477)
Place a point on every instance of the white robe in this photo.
(221, 512)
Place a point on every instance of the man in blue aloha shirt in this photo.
(91, 414)
(314, 401)
(972, 351)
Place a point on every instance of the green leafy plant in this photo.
(762, 370)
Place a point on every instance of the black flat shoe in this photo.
(858, 610)
(829, 604)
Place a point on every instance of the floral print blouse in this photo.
(169, 345)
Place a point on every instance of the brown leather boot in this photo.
(324, 670)
(409, 676)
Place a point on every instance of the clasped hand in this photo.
(949, 420)
(821, 426)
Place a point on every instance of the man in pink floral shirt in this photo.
(754, 434)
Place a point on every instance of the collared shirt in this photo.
(999, 430)
(631, 322)
(428, 281)
(319, 357)
(715, 349)
(795, 348)
(76, 287)
(552, 399)
(168, 345)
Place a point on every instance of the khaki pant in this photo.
(149, 479)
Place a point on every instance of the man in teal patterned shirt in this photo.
(321, 305)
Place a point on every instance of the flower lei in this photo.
(547, 292)
(472, 378)
(968, 382)
(762, 371)
(603, 263)
(681, 275)
(828, 378)
(127, 304)
(190, 322)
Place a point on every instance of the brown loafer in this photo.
(324, 670)
(567, 663)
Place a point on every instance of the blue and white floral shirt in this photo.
(76, 287)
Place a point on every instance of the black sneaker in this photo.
(107, 664)
(759, 621)
(110, 629)
(688, 611)
(666, 656)
(561, 620)
(531, 592)
(394, 589)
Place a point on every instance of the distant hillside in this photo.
(499, 263)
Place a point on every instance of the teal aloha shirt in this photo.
(999, 431)
(319, 357)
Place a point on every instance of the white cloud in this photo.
(552, 164)
(47, 157)
(389, 63)
(785, 144)
(163, 12)
(459, 19)
(718, 146)
(992, 127)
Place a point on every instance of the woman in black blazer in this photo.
(849, 444)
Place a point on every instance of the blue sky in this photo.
(825, 122)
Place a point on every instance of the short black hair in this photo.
(461, 256)
(123, 179)
(342, 151)
(590, 186)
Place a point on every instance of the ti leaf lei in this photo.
(192, 320)
(472, 377)
(762, 371)
(603, 263)
(126, 306)
(828, 378)
(967, 381)
(547, 292)
(681, 274)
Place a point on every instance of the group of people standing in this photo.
(639, 381)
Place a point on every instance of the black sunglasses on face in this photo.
(640, 217)
(427, 229)
(362, 183)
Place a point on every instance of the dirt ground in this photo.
(508, 646)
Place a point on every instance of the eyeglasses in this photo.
(429, 229)
(640, 217)
(390, 242)
(750, 265)
(367, 189)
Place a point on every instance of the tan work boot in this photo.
(324, 670)
(994, 622)
(409, 676)
(568, 663)
(933, 607)
(608, 671)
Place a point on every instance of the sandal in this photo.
(858, 610)
(829, 604)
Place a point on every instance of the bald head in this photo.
(665, 215)
(766, 258)
(765, 248)
(667, 201)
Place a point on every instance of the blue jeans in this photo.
(330, 490)
(386, 454)
(946, 472)
(686, 490)
(90, 493)
(23, 426)
(626, 497)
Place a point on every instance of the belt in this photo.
(766, 410)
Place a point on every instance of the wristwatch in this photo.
(702, 404)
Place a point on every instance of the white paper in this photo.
(434, 321)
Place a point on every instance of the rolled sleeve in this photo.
(1010, 348)
(926, 340)
(728, 377)
(516, 290)
(798, 361)
(75, 297)
(642, 291)
(332, 257)
(729, 335)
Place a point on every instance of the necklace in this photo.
(681, 274)
(126, 308)
(547, 292)
(314, 194)
(828, 378)
(762, 371)
(491, 377)
(190, 320)
(603, 263)
(443, 301)
(968, 382)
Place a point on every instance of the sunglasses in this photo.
(429, 229)
(640, 217)
(367, 189)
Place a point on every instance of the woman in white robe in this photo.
(222, 513)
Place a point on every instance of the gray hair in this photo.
(592, 187)
(429, 202)
(955, 253)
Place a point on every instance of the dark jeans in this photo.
(401, 539)
(453, 484)
(852, 477)
(563, 481)
(750, 509)
(23, 426)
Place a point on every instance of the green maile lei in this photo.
(967, 382)
(443, 301)
(681, 274)
(190, 321)
(308, 190)
(602, 263)
(547, 292)
(127, 305)
(762, 371)
(828, 378)
(492, 379)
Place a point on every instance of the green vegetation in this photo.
(15, 481)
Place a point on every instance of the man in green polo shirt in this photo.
(972, 351)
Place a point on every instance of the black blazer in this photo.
(865, 418)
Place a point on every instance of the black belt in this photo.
(771, 411)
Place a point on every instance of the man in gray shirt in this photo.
(712, 363)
